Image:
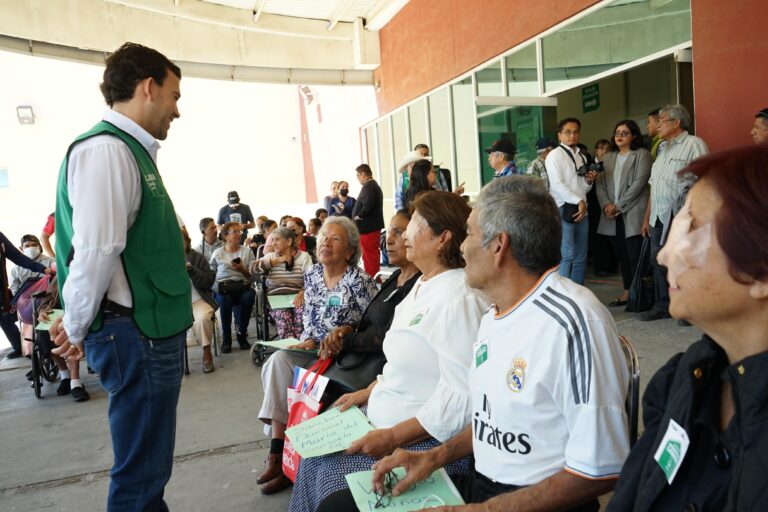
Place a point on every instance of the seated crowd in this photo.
(489, 357)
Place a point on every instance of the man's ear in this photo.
(499, 246)
(758, 290)
(147, 87)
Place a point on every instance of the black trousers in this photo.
(474, 488)
(11, 330)
(627, 250)
(660, 284)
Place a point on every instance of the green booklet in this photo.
(284, 344)
(330, 432)
(281, 301)
(437, 490)
(53, 315)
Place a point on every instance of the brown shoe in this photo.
(276, 485)
(207, 360)
(274, 468)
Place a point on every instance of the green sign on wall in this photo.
(590, 98)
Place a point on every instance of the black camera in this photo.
(595, 166)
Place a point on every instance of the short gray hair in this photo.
(353, 236)
(678, 112)
(521, 207)
(286, 233)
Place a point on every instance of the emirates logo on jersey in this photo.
(487, 432)
(516, 375)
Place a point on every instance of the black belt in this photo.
(107, 306)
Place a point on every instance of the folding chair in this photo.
(214, 346)
(633, 393)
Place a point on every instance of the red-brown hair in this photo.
(740, 177)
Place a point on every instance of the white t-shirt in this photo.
(428, 350)
(548, 382)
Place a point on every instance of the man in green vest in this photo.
(121, 271)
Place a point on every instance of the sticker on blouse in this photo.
(516, 375)
(417, 319)
(334, 299)
(481, 353)
(672, 450)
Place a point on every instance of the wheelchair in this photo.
(259, 353)
(43, 365)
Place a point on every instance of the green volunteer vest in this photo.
(153, 259)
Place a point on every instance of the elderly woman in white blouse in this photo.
(421, 398)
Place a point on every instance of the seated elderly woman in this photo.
(336, 293)
(706, 411)
(363, 337)
(422, 396)
(284, 270)
(201, 277)
(233, 285)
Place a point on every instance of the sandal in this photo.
(617, 302)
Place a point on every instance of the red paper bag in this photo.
(301, 407)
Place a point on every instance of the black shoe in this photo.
(80, 394)
(683, 323)
(30, 375)
(244, 345)
(64, 388)
(13, 355)
(653, 314)
(226, 346)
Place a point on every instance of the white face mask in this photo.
(31, 252)
(685, 247)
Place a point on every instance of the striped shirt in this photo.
(281, 280)
(667, 188)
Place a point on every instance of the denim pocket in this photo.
(101, 354)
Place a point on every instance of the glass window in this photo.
(385, 161)
(522, 79)
(439, 125)
(370, 150)
(489, 80)
(417, 115)
(465, 136)
(621, 32)
(400, 134)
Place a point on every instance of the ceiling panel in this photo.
(313, 9)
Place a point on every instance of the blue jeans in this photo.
(228, 301)
(143, 379)
(573, 249)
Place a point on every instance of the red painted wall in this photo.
(730, 68)
(430, 42)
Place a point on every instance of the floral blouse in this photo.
(326, 309)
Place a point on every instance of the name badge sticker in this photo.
(417, 319)
(672, 450)
(334, 299)
(481, 353)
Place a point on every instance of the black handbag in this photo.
(354, 371)
(232, 287)
(569, 210)
(641, 292)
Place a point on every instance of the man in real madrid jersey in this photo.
(548, 379)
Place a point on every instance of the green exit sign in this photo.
(590, 98)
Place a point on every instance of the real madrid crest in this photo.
(516, 375)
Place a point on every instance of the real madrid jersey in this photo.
(548, 382)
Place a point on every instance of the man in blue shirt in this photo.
(235, 211)
(501, 156)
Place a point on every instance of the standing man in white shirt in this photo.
(547, 379)
(121, 271)
(569, 182)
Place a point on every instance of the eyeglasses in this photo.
(384, 499)
(667, 120)
(622, 133)
(235, 233)
(568, 133)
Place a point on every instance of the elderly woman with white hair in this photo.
(336, 293)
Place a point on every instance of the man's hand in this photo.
(298, 301)
(308, 344)
(579, 216)
(418, 466)
(460, 189)
(64, 348)
(49, 272)
(376, 443)
(645, 229)
(349, 399)
(591, 176)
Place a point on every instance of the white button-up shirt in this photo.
(105, 194)
(565, 185)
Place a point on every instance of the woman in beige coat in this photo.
(622, 191)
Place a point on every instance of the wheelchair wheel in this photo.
(37, 367)
(50, 370)
(258, 354)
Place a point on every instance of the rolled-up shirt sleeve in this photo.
(104, 189)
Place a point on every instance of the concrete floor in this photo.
(56, 453)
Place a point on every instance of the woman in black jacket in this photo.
(705, 445)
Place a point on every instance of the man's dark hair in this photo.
(204, 223)
(365, 169)
(419, 146)
(319, 211)
(654, 113)
(566, 121)
(30, 238)
(128, 66)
